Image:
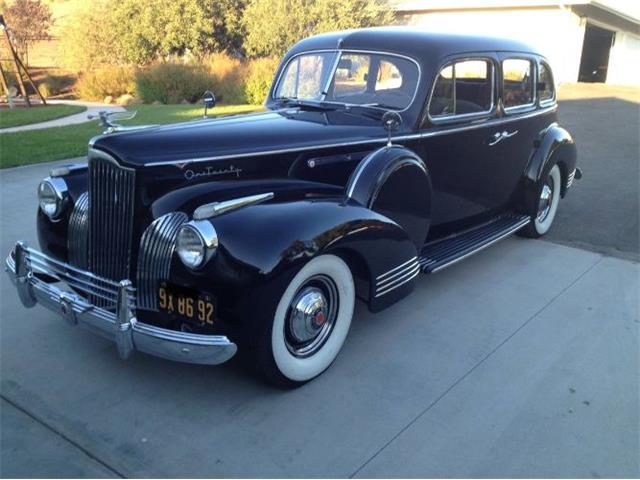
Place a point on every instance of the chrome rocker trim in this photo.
(119, 324)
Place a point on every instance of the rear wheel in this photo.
(310, 324)
(547, 204)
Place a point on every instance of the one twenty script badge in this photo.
(212, 172)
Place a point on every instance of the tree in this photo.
(28, 21)
(86, 40)
(141, 31)
(227, 27)
(273, 26)
(146, 30)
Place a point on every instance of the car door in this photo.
(511, 142)
(454, 142)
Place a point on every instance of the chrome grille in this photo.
(78, 231)
(154, 259)
(111, 211)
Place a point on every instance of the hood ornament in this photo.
(108, 119)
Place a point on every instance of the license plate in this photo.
(194, 306)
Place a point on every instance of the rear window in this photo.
(546, 88)
(517, 82)
(462, 88)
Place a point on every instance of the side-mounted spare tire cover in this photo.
(394, 182)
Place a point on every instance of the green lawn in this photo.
(36, 146)
(26, 116)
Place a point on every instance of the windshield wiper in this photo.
(295, 102)
(286, 100)
(370, 110)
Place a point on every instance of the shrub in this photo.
(52, 85)
(45, 90)
(111, 81)
(172, 83)
(228, 75)
(259, 77)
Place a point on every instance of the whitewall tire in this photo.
(312, 319)
(548, 198)
(309, 327)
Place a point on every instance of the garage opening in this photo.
(595, 54)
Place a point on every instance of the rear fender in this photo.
(553, 146)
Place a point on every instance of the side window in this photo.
(461, 88)
(352, 75)
(546, 88)
(389, 77)
(517, 82)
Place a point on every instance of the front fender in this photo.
(261, 247)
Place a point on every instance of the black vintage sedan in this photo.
(384, 153)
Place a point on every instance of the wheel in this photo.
(310, 324)
(547, 206)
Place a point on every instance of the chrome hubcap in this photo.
(544, 202)
(311, 316)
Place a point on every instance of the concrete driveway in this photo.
(521, 361)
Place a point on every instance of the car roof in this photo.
(422, 45)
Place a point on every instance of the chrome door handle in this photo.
(495, 138)
(499, 136)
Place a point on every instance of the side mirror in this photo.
(391, 122)
(209, 100)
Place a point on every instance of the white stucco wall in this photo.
(557, 32)
(624, 61)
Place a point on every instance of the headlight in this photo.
(196, 243)
(52, 196)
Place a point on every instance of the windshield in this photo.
(354, 78)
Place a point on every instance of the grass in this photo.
(26, 116)
(36, 146)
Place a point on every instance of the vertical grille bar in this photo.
(78, 232)
(111, 210)
(154, 259)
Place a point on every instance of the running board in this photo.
(445, 252)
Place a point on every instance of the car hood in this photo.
(242, 135)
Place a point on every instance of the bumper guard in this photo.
(36, 278)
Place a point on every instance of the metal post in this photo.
(23, 90)
(33, 85)
(5, 84)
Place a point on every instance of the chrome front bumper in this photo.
(42, 279)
